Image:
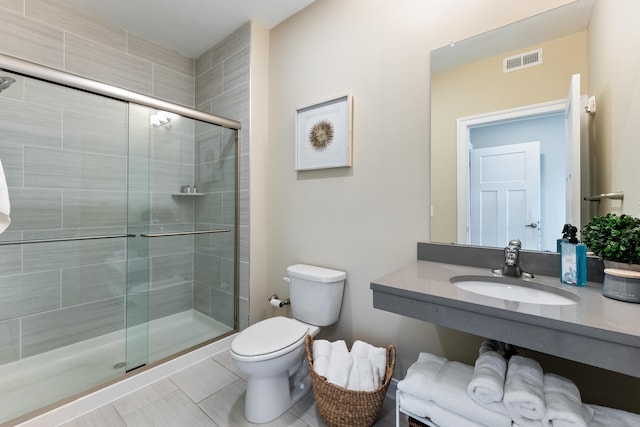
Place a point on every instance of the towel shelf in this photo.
(401, 410)
(65, 239)
(185, 233)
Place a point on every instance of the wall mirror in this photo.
(499, 103)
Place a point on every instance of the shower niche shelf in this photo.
(187, 194)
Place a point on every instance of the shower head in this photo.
(5, 82)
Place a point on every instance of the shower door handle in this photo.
(185, 233)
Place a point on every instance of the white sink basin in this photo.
(514, 289)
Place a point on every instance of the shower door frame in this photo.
(37, 71)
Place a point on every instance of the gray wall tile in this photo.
(161, 56)
(47, 256)
(207, 269)
(208, 208)
(67, 99)
(202, 299)
(30, 124)
(203, 63)
(50, 330)
(29, 293)
(35, 209)
(29, 39)
(9, 341)
(11, 156)
(14, 5)
(10, 257)
(84, 208)
(72, 20)
(236, 69)
(63, 169)
(171, 270)
(173, 86)
(82, 285)
(167, 301)
(222, 307)
(94, 134)
(95, 61)
(209, 84)
(237, 41)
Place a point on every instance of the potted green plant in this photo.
(616, 239)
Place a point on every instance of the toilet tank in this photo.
(315, 293)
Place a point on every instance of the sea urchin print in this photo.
(321, 135)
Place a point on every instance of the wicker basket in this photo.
(340, 407)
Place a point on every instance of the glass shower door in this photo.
(181, 253)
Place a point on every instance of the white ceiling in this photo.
(189, 27)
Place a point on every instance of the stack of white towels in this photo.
(497, 393)
(361, 369)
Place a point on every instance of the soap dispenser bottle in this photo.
(573, 258)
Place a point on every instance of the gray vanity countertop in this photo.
(578, 332)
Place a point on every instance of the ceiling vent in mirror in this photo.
(522, 60)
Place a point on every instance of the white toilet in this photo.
(271, 353)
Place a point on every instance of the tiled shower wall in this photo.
(64, 155)
(222, 88)
(51, 34)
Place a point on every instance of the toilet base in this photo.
(269, 398)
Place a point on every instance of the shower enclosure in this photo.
(122, 250)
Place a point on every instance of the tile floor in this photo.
(209, 393)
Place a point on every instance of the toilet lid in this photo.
(268, 336)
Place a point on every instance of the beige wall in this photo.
(482, 87)
(366, 219)
(615, 81)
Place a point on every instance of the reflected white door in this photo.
(505, 195)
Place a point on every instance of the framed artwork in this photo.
(323, 134)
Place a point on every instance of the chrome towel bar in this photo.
(114, 236)
(65, 239)
(618, 195)
(185, 233)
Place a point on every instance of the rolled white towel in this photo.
(321, 356)
(610, 417)
(490, 345)
(5, 205)
(339, 346)
(487, 383)
(421, 374)
(564, 404)
(340, 364)
(361, 376)
(523, 389)
(360, 350)
(321, 348)
(378, 359)
(321, 365)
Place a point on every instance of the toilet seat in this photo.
(269, 338)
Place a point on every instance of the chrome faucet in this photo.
(511, 265)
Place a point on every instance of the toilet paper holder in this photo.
(276, 302)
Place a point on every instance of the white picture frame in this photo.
(323, 134)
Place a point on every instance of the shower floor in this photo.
(37, 381)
